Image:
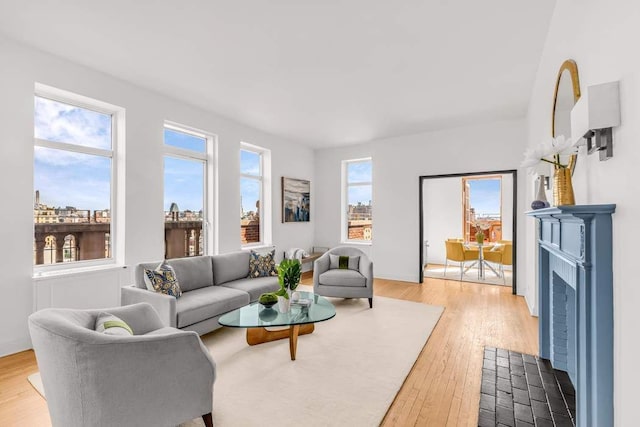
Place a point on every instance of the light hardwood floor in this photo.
(442, 389)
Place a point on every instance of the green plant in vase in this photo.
(289, 273)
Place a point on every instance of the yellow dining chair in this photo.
(502, 255)
(456, 252)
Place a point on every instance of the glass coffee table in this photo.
(299, 319)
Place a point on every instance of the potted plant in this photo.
(289, 273)
(268, 299)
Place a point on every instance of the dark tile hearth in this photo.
(521, 390)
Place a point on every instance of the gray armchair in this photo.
(344, 283)
(160, 376)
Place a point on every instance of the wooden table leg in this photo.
(261, 335)
(293, 340)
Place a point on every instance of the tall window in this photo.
(75, 142)
(357, 206)
(254, 206)
(187, 161)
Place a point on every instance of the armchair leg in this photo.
(208, 420)
(370, 302)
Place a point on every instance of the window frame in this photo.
(115, 154)
(264, 178)
(345, 200)
(208, 157)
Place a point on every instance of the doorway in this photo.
(477, 209)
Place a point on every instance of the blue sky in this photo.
(485, 196)
(66, 178)
(359, 172)
(184, 179)
(249, 188)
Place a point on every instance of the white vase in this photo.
(284, 304)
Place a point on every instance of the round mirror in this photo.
(567, 93)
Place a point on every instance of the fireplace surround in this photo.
(575, 291)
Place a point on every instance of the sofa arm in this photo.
(165, 305)
(174, 364)
(320, 266)
(366, 269)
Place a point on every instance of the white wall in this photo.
(146, 112)
(442, 215)
(602, 37)
(397, 164)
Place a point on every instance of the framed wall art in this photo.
(296, 200)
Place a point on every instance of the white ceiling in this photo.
(322, 72)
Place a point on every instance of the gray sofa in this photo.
(158, 377)
(211, 286)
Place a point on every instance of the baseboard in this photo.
(399, 277)
(11, 347)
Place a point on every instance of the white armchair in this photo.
(161, 376)
(344, 282)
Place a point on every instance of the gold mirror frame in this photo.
(570, 66)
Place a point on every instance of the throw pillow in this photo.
(344, 262)
(109, 324)
(262, 265)
(163, 279)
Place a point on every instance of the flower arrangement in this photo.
(551, 151)
(481, 225)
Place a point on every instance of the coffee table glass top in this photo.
(255, 315)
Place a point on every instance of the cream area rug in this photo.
(453, 273)
(347, 372)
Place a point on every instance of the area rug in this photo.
(347, 372)
(471, 275)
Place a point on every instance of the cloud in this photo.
(59, 122)
(359, 172)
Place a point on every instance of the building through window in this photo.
(357, 200)
(187, 160)
(75, 140)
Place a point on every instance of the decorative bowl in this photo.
(268, 304)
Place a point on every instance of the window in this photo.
(76, 142)
(357, 197)
(255, 200)
(188, 166)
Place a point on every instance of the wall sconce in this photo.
(593, 117)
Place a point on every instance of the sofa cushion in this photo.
(339, 277)
(205, 303)
(109, 324)
(344, 262)
(231, 266)
(191, 272)
(262, 265)
(163, 279)
(255, 287)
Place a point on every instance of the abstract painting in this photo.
(296, 200)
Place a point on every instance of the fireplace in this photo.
(575, 289)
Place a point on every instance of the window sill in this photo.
(44, 275)
(357, 242)
(256, 246)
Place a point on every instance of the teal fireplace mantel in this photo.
(575, 292)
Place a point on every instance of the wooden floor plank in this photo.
(442, 389)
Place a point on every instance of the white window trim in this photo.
(265, 195)
(210, 189)
(344, 228)
(117, 184)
